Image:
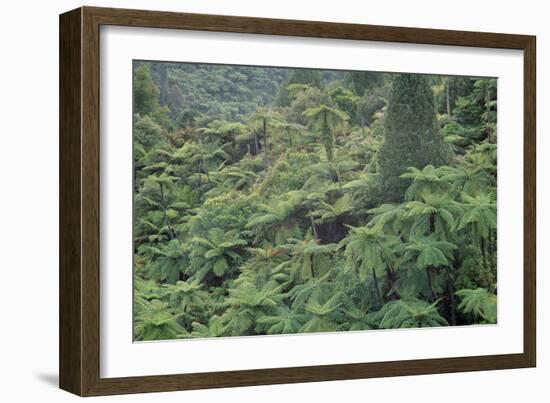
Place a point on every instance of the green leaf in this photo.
(220, 266)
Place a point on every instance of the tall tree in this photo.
(146, 93)
(326, 120)
(412, 137)
(146, 97)
(261, 121)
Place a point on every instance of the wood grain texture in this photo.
(316, 29)
(90, 202)
(80, 196)
(530, 202)
(70, 270)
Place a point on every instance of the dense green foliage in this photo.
(272, 200)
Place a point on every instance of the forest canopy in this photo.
(279, 200)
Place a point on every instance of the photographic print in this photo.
(272, 200)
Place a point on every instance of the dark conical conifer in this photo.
(412, 137)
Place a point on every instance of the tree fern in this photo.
(282, 321)
(370, 252)
(423, 182)
(215, 252)
(214, 328)
(153, 321)
(321, 312)
(167, 262)
(326, 120)
(480, 303)
(408, 314)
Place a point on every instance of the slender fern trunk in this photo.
(334, 174)
(483, 252)
(314, 227)
(266, 146)
(390, 279)
(233, 142)
(202, 163)
(377, 288)
(451, 296)
(327, 137)
(256, 143)
(448, 98)
(429, 268)
(492, 251)
(430, 283)
(171, 232)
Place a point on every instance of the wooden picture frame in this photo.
(79, 346)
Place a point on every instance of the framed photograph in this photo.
(249, 201)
